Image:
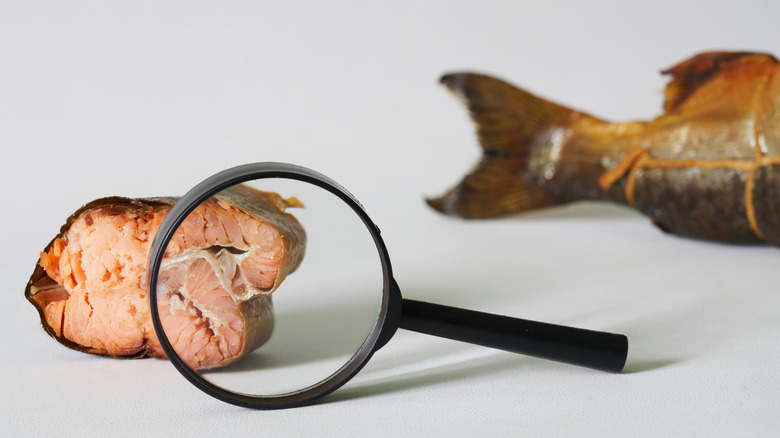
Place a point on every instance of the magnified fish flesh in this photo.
(214, 289)
(707, 168)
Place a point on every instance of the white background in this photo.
(148, 98)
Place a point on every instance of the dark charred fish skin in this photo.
(707, 168)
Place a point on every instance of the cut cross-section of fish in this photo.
(221, 266)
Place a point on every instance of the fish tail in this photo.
(511, 125)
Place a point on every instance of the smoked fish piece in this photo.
(214, 290)
(707, 168)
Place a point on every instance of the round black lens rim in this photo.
(214, 185)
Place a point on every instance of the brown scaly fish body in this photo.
(708, 168)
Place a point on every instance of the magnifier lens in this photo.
(274, 292)
(270, 287)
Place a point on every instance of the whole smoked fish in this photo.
(214, 287)
(707, 168)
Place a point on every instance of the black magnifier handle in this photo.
(587, 348)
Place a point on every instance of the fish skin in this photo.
(707, 168)
(109, 314)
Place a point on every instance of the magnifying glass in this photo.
(271, 287)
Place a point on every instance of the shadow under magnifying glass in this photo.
(494, 363)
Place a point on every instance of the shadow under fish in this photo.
(707, 168)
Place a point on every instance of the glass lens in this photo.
(270, 287)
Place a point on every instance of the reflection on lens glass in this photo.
(269, 287)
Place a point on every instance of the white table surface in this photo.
(145, 98)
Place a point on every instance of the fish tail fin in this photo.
(511, 123)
